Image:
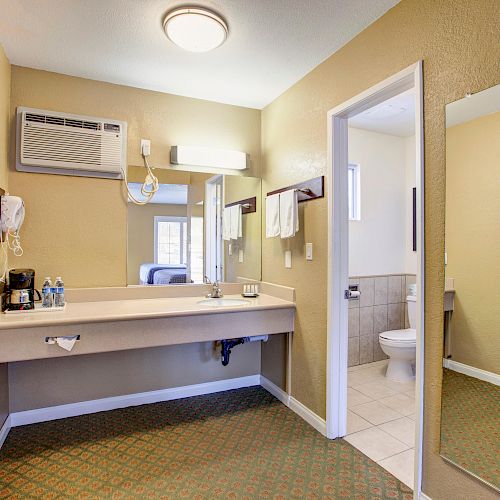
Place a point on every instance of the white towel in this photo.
(273, 216)
(226, 224)
(240, 221)
(289, 213)
(236, 225)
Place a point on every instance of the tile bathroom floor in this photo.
(380, 418)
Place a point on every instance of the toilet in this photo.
(401, 347)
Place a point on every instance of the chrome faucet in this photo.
(216, 291)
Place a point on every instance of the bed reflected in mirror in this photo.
(179, 238)
(470, 423)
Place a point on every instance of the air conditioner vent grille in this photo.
(64, 122)
(30, 117)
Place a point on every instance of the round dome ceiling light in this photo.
(195, 29)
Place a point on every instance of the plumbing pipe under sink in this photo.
(228, 344)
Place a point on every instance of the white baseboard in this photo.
(276, 391)
(4, 430)
(112, 403)
(309, 416)
(296, 406)
(471, 371)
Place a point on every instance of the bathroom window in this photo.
(353, 186)
(170, 240)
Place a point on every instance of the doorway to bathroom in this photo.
(375, 323)
(214, 254)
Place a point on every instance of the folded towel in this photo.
(240, 223)
(236, 224)
(273, 216)
(289, 213)
(226, 224)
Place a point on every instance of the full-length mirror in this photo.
(198, 226)
(471, 394)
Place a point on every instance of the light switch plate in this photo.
(230, 249)
(240, 255)
(288, 259)
(309, 251)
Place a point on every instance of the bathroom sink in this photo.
(223, 302)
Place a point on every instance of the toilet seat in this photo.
(406, 337)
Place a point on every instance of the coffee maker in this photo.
(21, 290)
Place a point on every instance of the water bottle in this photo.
(47, 299)
(59, 292)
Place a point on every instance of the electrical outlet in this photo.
(288, 259)
(145, 147)
(240, 255)
(230, 249)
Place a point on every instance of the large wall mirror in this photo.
(470, 425)
(180, 236)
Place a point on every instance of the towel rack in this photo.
(308, 190)
(248, 205)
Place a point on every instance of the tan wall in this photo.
(4, 142)
(273, 359)
(82, 378)
(236, 189)
(138, 174)
(458, 42)
(86, 240)
(4, 117)
(377, 242)
(473, 240)
(196, 191)
(141, 234)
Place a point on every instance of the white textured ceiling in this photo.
(395, 116)
(271, 43)
(472, 107)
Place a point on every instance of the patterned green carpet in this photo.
(235, 444)
(470, 425)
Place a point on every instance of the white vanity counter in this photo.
(135, 309)
(135, 322)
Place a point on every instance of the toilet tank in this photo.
(412, 310)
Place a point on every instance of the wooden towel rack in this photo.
(308, 190)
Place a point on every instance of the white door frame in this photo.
(214, 258)
(338, 251)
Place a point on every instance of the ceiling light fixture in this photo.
(195, 29)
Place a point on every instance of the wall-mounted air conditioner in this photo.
(60, 143)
